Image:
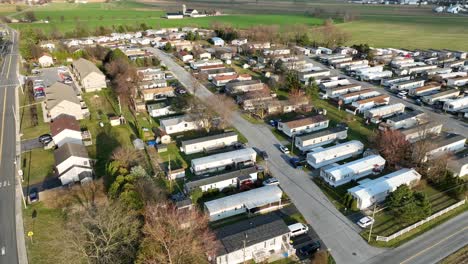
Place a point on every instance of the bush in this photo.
(354, 205)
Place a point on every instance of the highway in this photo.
(338, 233)
(8, 209)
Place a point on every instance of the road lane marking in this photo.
(3, 126)
(8, 70)
(432, 246)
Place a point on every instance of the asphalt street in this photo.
(8, 84)
(448, 121)
(338, 232)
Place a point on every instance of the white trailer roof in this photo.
(355, 167)
(332, 152)
(239, 154)
(250, 199)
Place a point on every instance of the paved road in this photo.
(448, 121)
(8, 83)
(338, 233)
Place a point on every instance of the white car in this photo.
(284, 149)
(365, 221)
(271, 181)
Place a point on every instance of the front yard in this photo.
(31, 118)
(37, 165)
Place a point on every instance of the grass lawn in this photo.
(48, 225)
(174, 156)
(38, 164)
(458, 257)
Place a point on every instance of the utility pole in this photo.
(170, 177)
(292, 144)
(245, 242)
(373, 220)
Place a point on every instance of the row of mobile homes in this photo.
(421, 131)
(429, 88)
(325, 156)
(404, 120)
(456, 105)
(253, 240)
(303, 125)
(442, 96)
(368, 103)
(258, 200)
(359, 95)
(337, 175)
(224, 161)
(316, 139)
(369, 192)
(224, 180)
(208, 143)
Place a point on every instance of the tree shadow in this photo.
(105, 145)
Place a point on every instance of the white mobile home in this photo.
(319, 138)
(387, 82)
(208, 143)
(444, 144)
(429, 88)
(369, 192)
(457, 81)
(227, 160)
(179, 124)
(336, 91)
(375, 76)
(421, 131)
(385, 111)
(456, 104)
(458, 165)
(405, 120)
(221, 181)
(369, 70)
(407, 85)
(442, 96)
(368, 103)
(325, 156)
(305, 76)
(341, 174)
(303, 125)
(260, 199)
(359, 95)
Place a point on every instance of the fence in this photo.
(411, 227)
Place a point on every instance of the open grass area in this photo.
(29, 128)
(38, 164)
(47, 226)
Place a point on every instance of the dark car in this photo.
(310, 248)
(45, 138)
(296, 162)
(264, 155)
(33, 195)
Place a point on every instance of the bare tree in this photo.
(393, 147)
(175, 236)
(224, 106)
(331, 36)
(126, 157)
(436, 170)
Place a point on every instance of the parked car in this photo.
(271, 181)
(181, 91)
(365, 221)
(298, 229)
(33, 195)
(45, 137)
(402, 95)
(284, 149)
(310, 249)
(296, 162)
(264, 155)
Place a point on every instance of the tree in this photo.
(180, 103)
(436, 170)
(407, 206)
(224, 107)
(126, 157)
(394, 147)
(30, 16)
(202, 115)
(104, 234)
(331, 36)
(175, 236)
(168, 47)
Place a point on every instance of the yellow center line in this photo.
(428, 248)
(3, 125)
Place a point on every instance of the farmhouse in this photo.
(236, 87)
(340, 174)
(449, 143)
(368, 103)
(61, 99)
(325, 156)
(89, 76)
(433, 98)
(369, 192)
(385, 111)
(46, 60)
(303, 125)
(179, 124)
(65, 129)
(405, 120)
(408, 85)
(208, 143)
(427, 89)
(224, 161)
(255, 239)
(319, 138)
(456, 104)
(258, 200)
(73, 164)
(359, 95)
(220, 181)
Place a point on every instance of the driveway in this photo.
(338, 233)
(30, 144)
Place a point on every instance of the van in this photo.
(297, 229)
